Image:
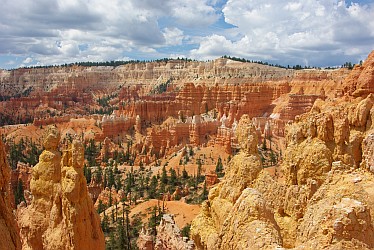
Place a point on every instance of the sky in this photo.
(306, 32)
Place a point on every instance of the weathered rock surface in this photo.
(9, 233)
(361, 80)
(170, 237)
(323, 198)
(61, 214)
(228, 205)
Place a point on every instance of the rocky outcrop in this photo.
(322, 199)
(9, 233)
(113, 126)
(61, 214)
(109, 196)
(361, 80)
(232, 200)
(169, 236)
(368, 152)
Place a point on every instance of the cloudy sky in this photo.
(306, 32)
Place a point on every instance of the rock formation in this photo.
(45, 188)
(234, 211)
(169, 236)
(361, 81)
(9, 234)
(323, 198)
(61, 214)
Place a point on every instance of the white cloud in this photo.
(315, 30)
(56, 30)
(59, 31)
(27, 60)
(173, 36)
(194, 13)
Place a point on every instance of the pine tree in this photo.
(112, 242)
(199, 177)
(152, 223)
(110, 198)
(121, 237)
(118, 183)
(219, 166)
(99, 174)
(87, 173)
(105, 223)
(153, 188)
(100, 207)
(173, 177)
(164, 177)
(111, 180)
(204, 195)
(19, 196)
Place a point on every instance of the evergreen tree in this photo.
(199, 177)
(128, 230)
(112, 242)
(118, 182)
(87, 173)
(105, 223)
(173, 177)
(111, 180)
(99, 174)
(219, 166)
(110, 198)
(152, 223)
(121, 237)
(128, 182)
(204, 195)
(105, 182)
(100, 207)
(164, 177)
(19, 196)
(153, 188)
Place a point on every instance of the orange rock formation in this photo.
(9, 233)
(323, 198)
(61, 214)
(322, 160)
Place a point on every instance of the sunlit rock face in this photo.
(323, 197)
(61, 214)
(9, 233)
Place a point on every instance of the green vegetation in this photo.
(161, 88)
(186, 231)
(108, 63)
(348, 65)
(18, 194)
(25, 151)
(219, 167)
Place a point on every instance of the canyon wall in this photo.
(192, 87)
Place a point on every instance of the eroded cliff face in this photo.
(321, 198)
(61, 214)
(9, 234)
(361, 81)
